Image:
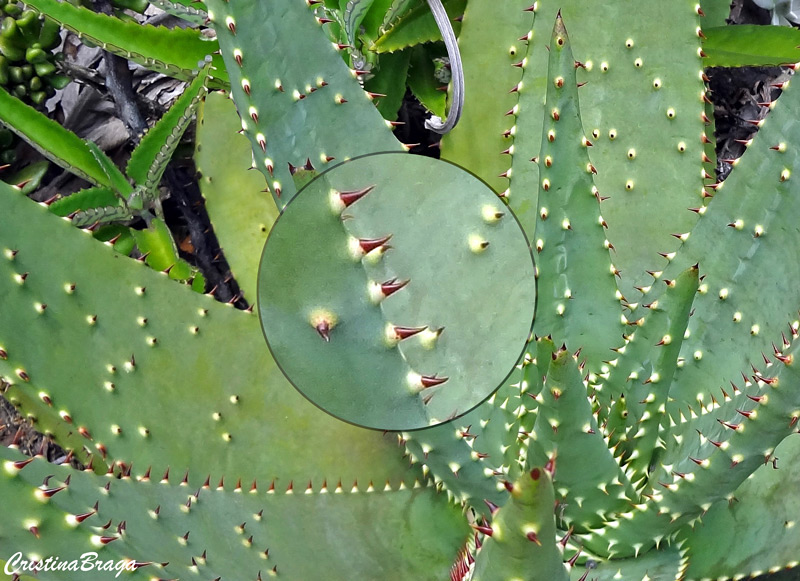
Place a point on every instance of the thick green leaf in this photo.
(118, 181)
(149, 160)
(241, 212)
(156, 243)
(52, 140)
(28, 178)
(756, 531)
(423, 83)
(187, 10)
(418, 27)
(748, 45)
(206, 393)
(308, 534)
(175, 52)
(390, 79)
(490, 44)
(84, 200)
(296, 111)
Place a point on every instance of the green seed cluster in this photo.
(8, 149)
(27, 62)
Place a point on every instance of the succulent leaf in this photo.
(405, 344)
(232, 387)
(272, 97)
(56, 143)
(149, 160)
(592, 487)
(242, 214)
(416, 26)
(578, 299)
(520, 541)
(479, 139)
(175, 52)
(161, 524)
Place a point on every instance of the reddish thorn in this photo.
(238, 58)
(82, 517)
(432, 381)
(369, 244)
(533, 537)
(324, 330)
(50, 492)
(565, 539)
(483, 529)
(351, 197)
(406, 332)
(20, 464)
(729, 425)
(324, 20)
(392, 286)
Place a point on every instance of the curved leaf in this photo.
(175, 52)
(748, 45)
(53, 141)
(150, 158)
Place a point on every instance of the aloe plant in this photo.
(642, 435)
